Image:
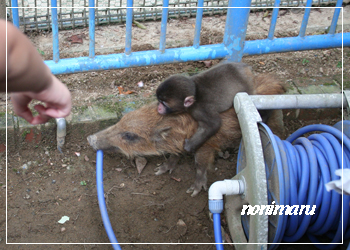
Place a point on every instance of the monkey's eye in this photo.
(128, 136)
(164, 103)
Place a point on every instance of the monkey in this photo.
(204, 96)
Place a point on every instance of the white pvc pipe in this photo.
(225, 187)
(299, 101)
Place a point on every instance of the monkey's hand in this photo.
(188, 146)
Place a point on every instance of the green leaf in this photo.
(41, 52)
(140, 25)
(305, 61)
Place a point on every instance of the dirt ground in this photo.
(44, 185)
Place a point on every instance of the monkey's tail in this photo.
(266, 84)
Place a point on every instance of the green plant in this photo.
(41, 52)
(305, 61)
(24, 134)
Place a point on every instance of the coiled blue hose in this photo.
(324, 156)
(308, 164)
(102, 202)
(302, 166)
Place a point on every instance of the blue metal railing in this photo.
(55, 42)
(198, 27)
(163, 25)
(129, 5)
(91, 28)
(233, 47)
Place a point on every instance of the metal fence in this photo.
(36, 13)
(233, 46)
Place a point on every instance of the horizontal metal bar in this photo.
(136, 59)
(298, 101)
(186, 54)
(296, 44)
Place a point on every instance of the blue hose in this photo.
(102, 202)
(217, 231)
(305, 166)
(323, 156)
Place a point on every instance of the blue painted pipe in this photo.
(92, 28)
(335, 17)
(55, 43)
(296, 44)
(102, 202)
(273, 20)
(15, 16)
(128, 36)
(305, 18)
(198, 27)
(186, 54)
(236, 28)
(163, 25)
(136, 59)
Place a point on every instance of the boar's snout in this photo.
(92, 139)
(99, 143)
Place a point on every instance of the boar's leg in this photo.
(169, 165)
(204, 158)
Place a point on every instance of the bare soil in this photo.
(143, 208)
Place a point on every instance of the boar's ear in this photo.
(160, 134)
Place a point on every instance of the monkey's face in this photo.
(163, 108)
(171, 94)
(170, 106)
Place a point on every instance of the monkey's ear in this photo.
(189, 100)
(160, 134)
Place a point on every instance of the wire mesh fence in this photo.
(36, 14)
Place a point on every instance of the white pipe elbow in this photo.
(226, 187)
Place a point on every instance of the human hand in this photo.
(56, 97)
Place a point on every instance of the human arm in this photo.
(29, 78)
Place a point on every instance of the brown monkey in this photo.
(204, 96)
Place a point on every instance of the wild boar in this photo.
(144, 132)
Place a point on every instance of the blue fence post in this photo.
(305, 18)
(92, 28)
(163, 26)
(274, 20)
(197, 30)
(15, 16)
(129, 16)
(335, 18)
(236, 28)
(55, 44)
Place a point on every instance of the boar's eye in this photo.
(128, 136)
